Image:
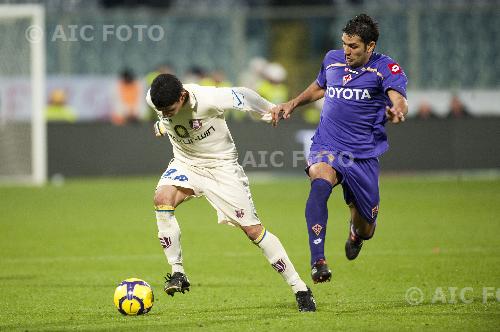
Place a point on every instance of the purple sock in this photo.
(317, 216)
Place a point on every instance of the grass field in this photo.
(64, 250)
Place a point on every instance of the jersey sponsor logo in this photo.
(195, 124)
(317, 241)
(187, 139)
(347, 93)
(204, 134)
(165, 242)
(346, 79)
(395, 68)
(317, 229)
(181, 131)
(279, 265)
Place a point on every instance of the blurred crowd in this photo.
(456, 110)
(268, 78)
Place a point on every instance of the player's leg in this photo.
(323, 179)
(359, 230)
(361, 192)
(176, 184)
(276, 255)
(229, 193)
(361, 227)
(166, 199)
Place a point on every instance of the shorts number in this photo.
(181, 178)
(167, 174)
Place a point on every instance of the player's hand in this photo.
(394, 115)
(160, 129)
(281, 111)
(268, 117)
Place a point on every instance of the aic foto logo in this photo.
(452, 295)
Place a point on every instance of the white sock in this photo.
(277, 256)
(169, 234)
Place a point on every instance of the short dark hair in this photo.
(363, 26)
(165, 90)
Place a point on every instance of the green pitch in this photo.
(64, 250)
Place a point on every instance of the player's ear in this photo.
(184, 95)
(371, 46)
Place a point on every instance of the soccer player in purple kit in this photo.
(363, 90)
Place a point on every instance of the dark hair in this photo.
(363, 26)
(165, 90)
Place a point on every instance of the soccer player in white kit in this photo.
(205, 164)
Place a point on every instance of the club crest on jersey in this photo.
(395, 68)
(195, 124)
(317, 229)
(374, 211)
(346, 79)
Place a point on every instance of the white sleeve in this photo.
(245, 100)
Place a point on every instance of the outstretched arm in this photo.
(309, 95)
(253, 101)
(396, 113)
(245, 100)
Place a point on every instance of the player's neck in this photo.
(365, 62)
(368, 59)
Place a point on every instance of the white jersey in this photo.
(199, 133)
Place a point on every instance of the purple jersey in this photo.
(353, 115)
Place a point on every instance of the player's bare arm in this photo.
(396, 113)
(309, 95)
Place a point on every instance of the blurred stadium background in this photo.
(73, 75)
(447, 48)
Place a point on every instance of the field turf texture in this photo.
(65, 248)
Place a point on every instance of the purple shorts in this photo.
(358, 177)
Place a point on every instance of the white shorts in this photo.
(226, 188)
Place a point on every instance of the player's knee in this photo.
(323, 171)
(253, 232)
(163, 197)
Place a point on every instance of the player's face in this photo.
(173, 109)
(357, 53)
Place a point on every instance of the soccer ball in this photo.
(134, 297)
